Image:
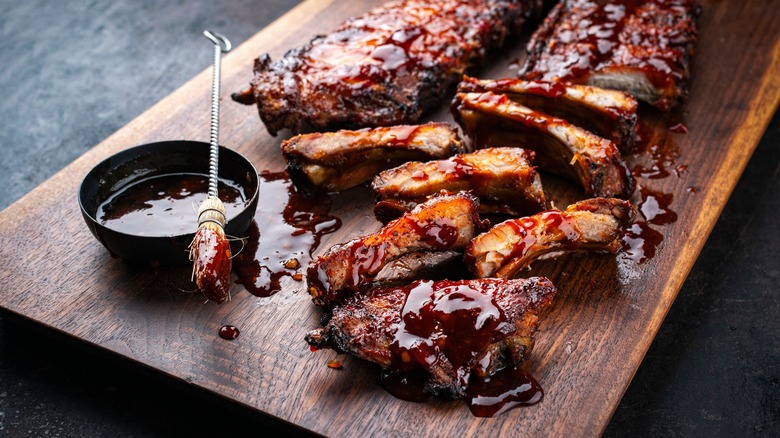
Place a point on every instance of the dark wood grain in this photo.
(589, 346)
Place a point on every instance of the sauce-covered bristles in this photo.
(210, 253)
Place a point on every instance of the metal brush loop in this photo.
(221, 44)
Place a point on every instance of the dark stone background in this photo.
(74, 72)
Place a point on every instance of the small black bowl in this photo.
(156, 159)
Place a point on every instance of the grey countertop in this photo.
(74, 72)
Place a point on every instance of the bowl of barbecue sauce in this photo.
(141, 203)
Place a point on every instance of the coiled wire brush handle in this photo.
(221, 44)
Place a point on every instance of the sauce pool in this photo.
(165, 205)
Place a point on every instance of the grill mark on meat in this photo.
(450, 330)
(443, 223)
(336, 161)
(591, 225)
(641, 47)
(503, 179)
(491, 119)
(387, 67)
(608, 113)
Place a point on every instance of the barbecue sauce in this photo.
(229, 332)
(507, 389)
(166, 205)
(639, 243)
(654, 207)
(287, 228)
(558, 224)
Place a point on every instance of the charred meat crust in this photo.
(591, 225)
(401, 330)
(335, 161)
(643, 48)
(443, 223)
(384, 68)
(504, 180)
(491, 119)
(608, 113)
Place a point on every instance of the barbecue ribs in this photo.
(387, 67)
(641, 47)
(449, 329)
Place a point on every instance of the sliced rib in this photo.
(503, 179)
(591, 225)
(491, 119)
(608, 113)
(335, 161)
(443, 223)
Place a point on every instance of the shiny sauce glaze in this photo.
(457, 320)
(287, 228)
(165, 205)
(379, 48)
(546, 89)
(558, 224)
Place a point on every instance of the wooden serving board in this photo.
(591, 343)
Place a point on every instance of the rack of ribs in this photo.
(336, 161)
(503, 179)
(387, 67)
(449, 330)
(595, 224)
(641, 47)
(491, 120)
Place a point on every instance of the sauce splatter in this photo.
(507, 389)
(639, 243)
(229, 332)
(287, 228)
(654, 207)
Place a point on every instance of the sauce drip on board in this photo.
(287, 228)
(165, 205)
(507, 389)
(229, 332)
(654, 207)
(655, 158)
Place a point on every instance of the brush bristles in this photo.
(210, 252)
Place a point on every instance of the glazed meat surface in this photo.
(449, 329)
(503, 179)
(595, 224)
(608, 113)
(491, 119)
(443, 223)
(335, 161)
(387, 67)
(641, 47)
